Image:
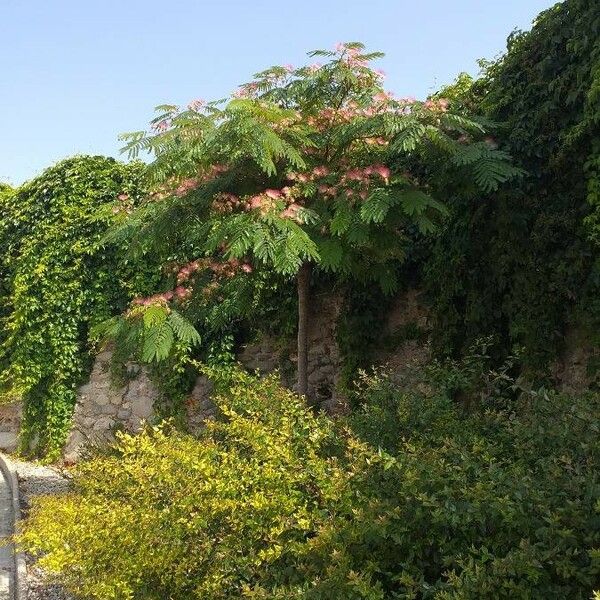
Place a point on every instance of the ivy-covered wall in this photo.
(57, 278)
(523, 263)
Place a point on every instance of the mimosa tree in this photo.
(303, 169)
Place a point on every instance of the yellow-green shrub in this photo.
(169, 516)
(275, 502)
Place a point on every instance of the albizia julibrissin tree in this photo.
(310, 168)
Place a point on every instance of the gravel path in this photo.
(36, 480)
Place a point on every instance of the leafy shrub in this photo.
(168, 516)
(420, 501)
(497, 504)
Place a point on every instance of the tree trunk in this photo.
(303, 281)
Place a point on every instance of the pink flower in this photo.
(196, 104)
(247, 268)
(289, 68)
(291, 212)
(380, 73)
(382, 171)
(161, 125)
(354, 174)
(321, 171)
(123, 197)
(340, 47)
(181, 292)
(381, 97)
(273, 194)
(255, 202)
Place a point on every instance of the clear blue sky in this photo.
(76, 73)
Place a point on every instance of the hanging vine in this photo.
(58, 279)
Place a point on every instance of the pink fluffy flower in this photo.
(196, 104)
(382, 171)
(182, 292)
(255, 202)
(291, 212)
(354, 174)
(273, 194)
(321, 171)
(161, 125)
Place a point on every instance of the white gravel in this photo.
(37, 480)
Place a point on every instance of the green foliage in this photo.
(311, 165)
(420, 501)
(496, 503)
(227, 522)
(519, 263)
(58, 279)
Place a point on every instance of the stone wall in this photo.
(407, 328)
(573, 372)
(10, 424)
(103, 408)
(267, 354)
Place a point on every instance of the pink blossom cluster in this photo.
(191, 183)
(196, 105)
(247, 90)
(187, 185)
(440, 105)
(229, 268)
(224, 269)
(348, 182)
(188, 270)
(382, 103)
(365, 173)
(291, 212)
(161, 125)
(179, 293)
(268, 199)
(271, 199)
(351, 55)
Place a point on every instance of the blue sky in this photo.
(76, 73)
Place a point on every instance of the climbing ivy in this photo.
(520, 262)
(58, 279)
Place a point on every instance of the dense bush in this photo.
(416, 499)
(57, 278)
